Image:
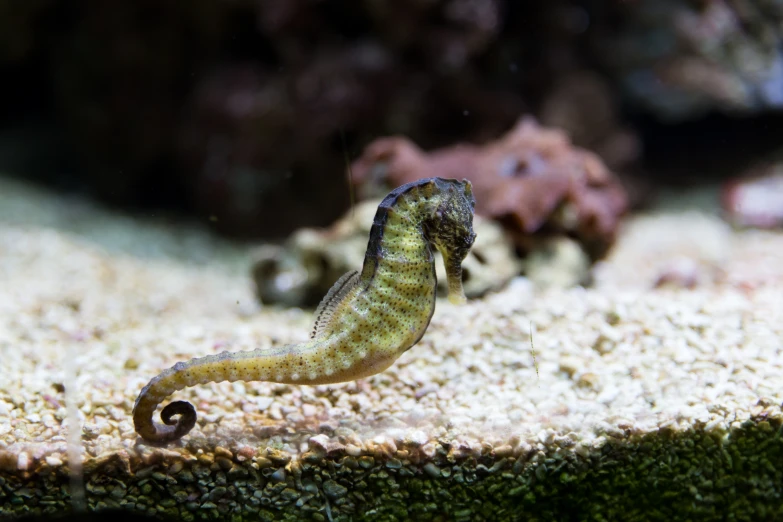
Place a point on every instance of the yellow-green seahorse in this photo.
(365, 322)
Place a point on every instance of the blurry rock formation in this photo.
(532, 179)
(582, 105)
(756, 199)
(304, 268)
(255, 144)
(558, 262)
(680, 59)
(683, 249)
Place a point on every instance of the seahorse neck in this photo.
(395, 224)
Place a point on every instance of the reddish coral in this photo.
(532, 179)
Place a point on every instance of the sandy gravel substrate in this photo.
(642, 403)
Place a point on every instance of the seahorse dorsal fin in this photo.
(335, 295)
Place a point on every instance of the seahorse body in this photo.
(365, 322)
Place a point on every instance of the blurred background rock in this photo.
(245, 113)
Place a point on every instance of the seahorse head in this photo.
(450, 229)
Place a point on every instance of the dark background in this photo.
(245, 113)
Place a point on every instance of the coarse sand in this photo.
(653, 395)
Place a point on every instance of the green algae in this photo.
(665, 475)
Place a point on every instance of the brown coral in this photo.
(532, 179)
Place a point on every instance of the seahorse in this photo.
(363, 324)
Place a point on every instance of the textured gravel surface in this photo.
(655, 394)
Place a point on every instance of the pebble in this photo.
(23, 461)
(334, 490)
